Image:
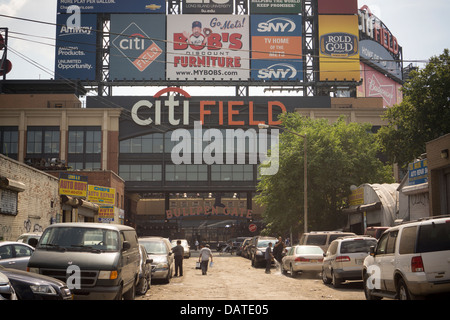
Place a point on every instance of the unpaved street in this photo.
(232, 278)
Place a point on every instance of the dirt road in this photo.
(233, 278)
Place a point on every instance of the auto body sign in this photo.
(134, 53)
(208, 47)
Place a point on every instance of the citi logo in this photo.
(134, 42)
(278, 71)
(278, 24)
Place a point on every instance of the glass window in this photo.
(34, 142)
(93, 141)
(76, 141)
(186, 172)
(390, 248)
(151, 143)
(434, 237)
(9, 140)
(140, 172)
(408, 240)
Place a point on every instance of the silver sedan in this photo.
(302, 258)
(15, 255)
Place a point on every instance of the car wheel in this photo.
(142, 286)
(335, 281)
(325, 279)
(367, 291)
(403, 292)
(293, 273)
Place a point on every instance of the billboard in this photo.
(208, 47)
(114, 6)
(337, 7)
(277, 47)
(137, 48)
(339, 48)
(208, 6)
(75, 56)
(376, 84)
(276, 6)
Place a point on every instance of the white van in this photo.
(411, 260)
(322, 238)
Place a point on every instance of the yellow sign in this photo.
(101, 195)
(357, 197)
(339, 48)
(73, 188)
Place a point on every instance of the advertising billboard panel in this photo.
(208, 47)
(275, 6)
(75, 56)
(137, 48)
(114, 6)
(337, 7)
(276, 47)
(339, 48)
(376, 84)
(207, 6)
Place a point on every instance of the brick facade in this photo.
(37, 206)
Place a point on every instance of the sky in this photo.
(420, 27)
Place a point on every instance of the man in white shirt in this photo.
(205, 254)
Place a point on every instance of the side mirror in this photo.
(149, 261)
(372, 251)
(126, 246)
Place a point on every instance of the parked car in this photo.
(30, 238)
(411, 260)
(31, 286)
(302, 258)
(237, 245)
(160, 250)
(344, 259)
(243, 248)
(145, 272)
(375, 232)
(15, 255)
(106, 256)
(185, 245)
(258, 247)
(322, 238)
(6, 289)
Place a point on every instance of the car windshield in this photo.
(265, 243)
(154, 247)
(354, 246)
(308, 250)
(80, 239)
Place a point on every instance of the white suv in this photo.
(344, 259)
(410, 261)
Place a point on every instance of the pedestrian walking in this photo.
(196, 245)
(178, 252)
(278, 250)
(205, 255)
(269, 257)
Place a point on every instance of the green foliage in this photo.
(338, 155)
(424, 114)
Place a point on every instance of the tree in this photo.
(422, 116)
(339, 155)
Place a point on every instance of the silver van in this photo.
(97, 261)
(322, 238)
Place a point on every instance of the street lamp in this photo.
(305, 181)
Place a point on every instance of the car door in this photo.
(288, 258)
(22, 255)
(385, 259)
(330, 256)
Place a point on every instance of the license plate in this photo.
(314, 260)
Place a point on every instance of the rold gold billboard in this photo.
(339, 48)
